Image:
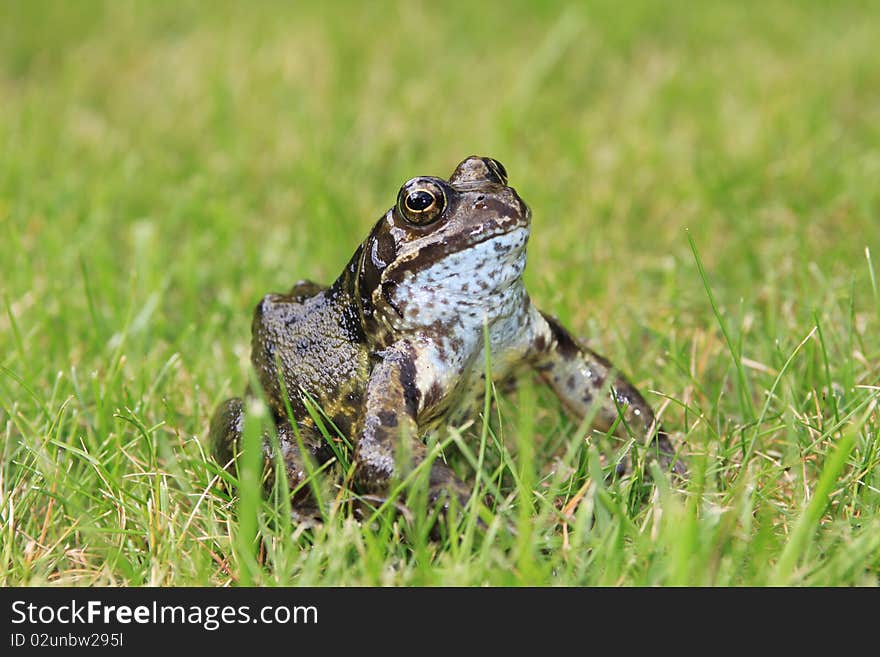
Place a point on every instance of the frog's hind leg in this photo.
(225, 434)
(589, 386)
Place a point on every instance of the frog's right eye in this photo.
(421, 201)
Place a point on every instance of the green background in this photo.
(163, 165)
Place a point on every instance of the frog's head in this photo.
(446, 245)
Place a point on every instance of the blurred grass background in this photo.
(163, 165)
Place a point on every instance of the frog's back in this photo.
(310, 334)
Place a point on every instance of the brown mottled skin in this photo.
(395, 347)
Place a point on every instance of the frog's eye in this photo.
(497, 168)
(421, 202)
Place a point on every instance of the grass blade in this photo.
(742, 387)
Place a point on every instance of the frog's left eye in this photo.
(497, 168)
(421, 202)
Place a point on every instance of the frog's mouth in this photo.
(453, 244)
(491, 259)
(481, 278)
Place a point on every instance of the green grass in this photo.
(705, 183)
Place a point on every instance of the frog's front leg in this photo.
(388, 441)
(580, 378)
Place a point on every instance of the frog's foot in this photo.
(447, 491)
(446, 494)
(365, 506)
(308, 516)
(662, 449)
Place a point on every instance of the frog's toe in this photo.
(446, 498)
(450, 504)
(306, 516)
(366, 506)
(667, 456)
(662, 452)
(455, 497)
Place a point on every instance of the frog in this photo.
(395, 348)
